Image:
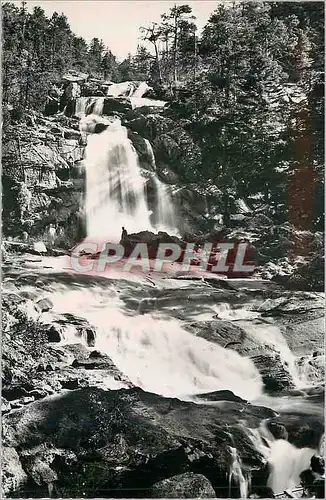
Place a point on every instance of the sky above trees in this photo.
(116, 22)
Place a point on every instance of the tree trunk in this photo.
(175, 50)
(158, 61)
(226, 208)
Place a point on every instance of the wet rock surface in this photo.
(132, 432)
(78, 425)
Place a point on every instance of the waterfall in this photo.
(115, 188)
(97, 108)
(164, 214)
(158, 354)
(92, 104)
(286, 462)
(235, 473)
(272, 336)
(81, 105)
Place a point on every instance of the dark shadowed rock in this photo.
(303, 430)
(188, 485)
(131, 439)
(103, 362)
(276, 377)
(220, 396)
(116, 105)
(55, 333)
(44, 305)
(278, 430)
(317, 464)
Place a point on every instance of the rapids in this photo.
(154, 349)
(158, 354)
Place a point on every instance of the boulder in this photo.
(187, 485)
(220, 396)
(44, 305)
(278, 430)
(308, 276)
(317, 464)
(226, 334)
(114, 105)
(39, 247)
(276, 377)
(102, 363)
(78, 351)
(135, 439)
(303, 431)
(13, 474)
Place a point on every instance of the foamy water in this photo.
(286, 462)
(159, 355)
(115, 189)
(271, 335)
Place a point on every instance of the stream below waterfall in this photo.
(159, 330)
(157, 353)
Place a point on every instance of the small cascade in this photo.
(150, 154)
(164, 214)
(97, 108)
(141, 90)
(115, 190)
(236, 475)
(81, 105)
(87, 105)
(286, 462)
(272, 336)
(311, 368)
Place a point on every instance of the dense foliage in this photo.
(253, 100)
(38, 50)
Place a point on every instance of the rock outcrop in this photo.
(42, 184)
(123, 442)
(187, 485)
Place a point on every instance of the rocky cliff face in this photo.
(43, 183)
(44, 188)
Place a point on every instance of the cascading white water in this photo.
(115, 189)
(286, 462)
(83, 104)
(164, 215)
(162, 357)
(159, 355)
(272, 336)
(236, 474)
